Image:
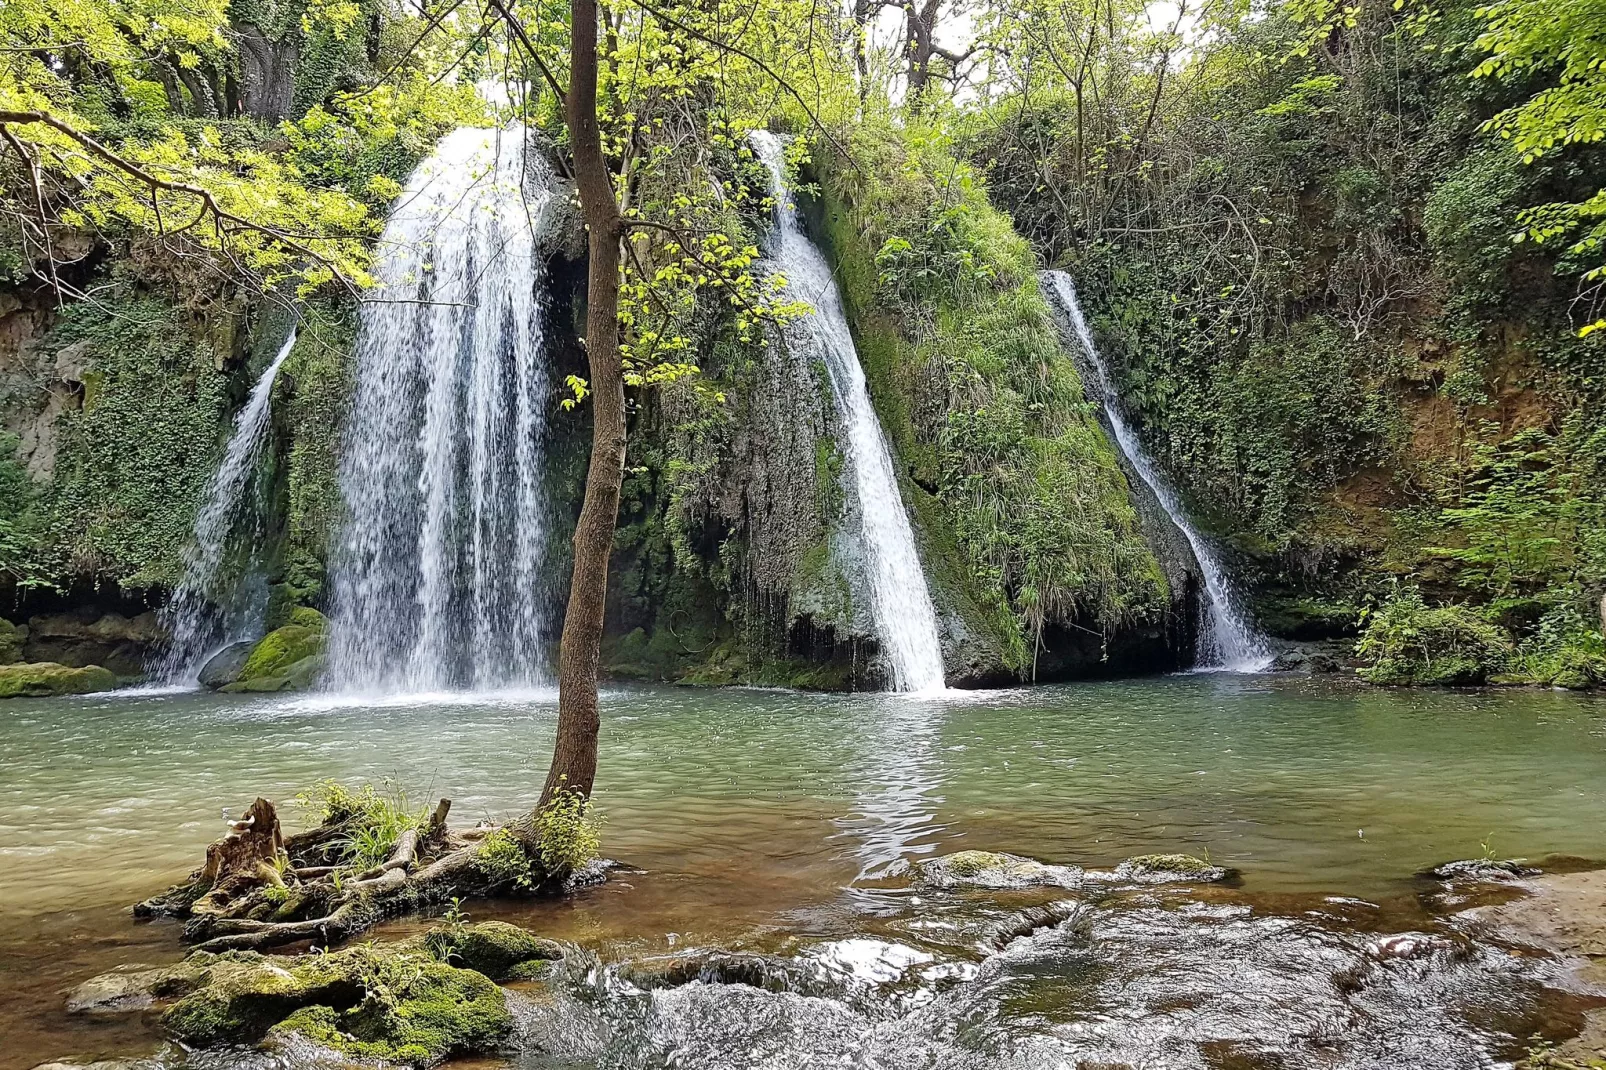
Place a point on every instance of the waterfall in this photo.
(437, 578)
(900, 603)
(1229, 641)
(222, 596)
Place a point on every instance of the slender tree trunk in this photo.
(574, 752)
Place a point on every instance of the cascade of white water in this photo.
(222, 595)
(1229, 640)
(437, 579)
(900, 603)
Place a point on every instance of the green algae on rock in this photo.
(993, 869)
(43, 678)
(289, 658)
(1165, 869)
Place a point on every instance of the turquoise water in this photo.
(750, 808)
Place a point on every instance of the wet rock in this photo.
(286, 659)
(137, 986)
(1562, 912)
(993, 869)
(1482, 869)
(1308, 661)
(39, 679)
(1032, 920)
(1171, 869)
(716, 967)
(493, 948)
(393, 1004)
(224, 667)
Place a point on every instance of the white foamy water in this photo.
(437, 576)
(900, 603)
(223, 595)
(1229, 640)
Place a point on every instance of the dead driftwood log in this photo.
(261, 889)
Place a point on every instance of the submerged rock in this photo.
(1171, 869)
(224, 667)
(42, 678)
(137, 986)
(993, 869)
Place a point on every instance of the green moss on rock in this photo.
(397, 1004)
(282, 648)
(45, 678)
(493, 948)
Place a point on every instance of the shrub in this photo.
(1410, 642)
(377, 819)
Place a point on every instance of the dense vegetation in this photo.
(1344, 262)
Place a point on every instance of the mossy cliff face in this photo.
(1027, 531)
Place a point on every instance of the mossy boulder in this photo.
(43, 678)
(286, 659)
(994, 869)
(396, 1004)
(1171, 869)
(493, 948)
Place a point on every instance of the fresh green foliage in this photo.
(1409, 642)
(505, 863)
(570, 831)
(375, 818)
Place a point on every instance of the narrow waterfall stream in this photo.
(221, 598)
(437, 576)
(1230, 641)
(900, 603)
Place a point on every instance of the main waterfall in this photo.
(223, 594)
(1230, 641)
(437, 576)
(900, 603)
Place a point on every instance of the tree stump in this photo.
(243, 860)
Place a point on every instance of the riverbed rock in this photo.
(40, 679)
(137, 986)
(394, 1004)
(224, 667)
(993, 869)
(1497, 870)
(1171, 869)
(494, 948)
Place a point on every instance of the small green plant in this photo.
(277, 894)
(570, 830)
(503, 860)
(1487, 844)
(456, 917)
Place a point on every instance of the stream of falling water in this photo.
(223, 594)
(905, 620)
(1230, 641)
(437, 578)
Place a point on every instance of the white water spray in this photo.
(223, 596)
(1230, 641)
(437, 578)
(900, 602)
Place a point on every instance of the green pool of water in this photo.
(750, 808)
